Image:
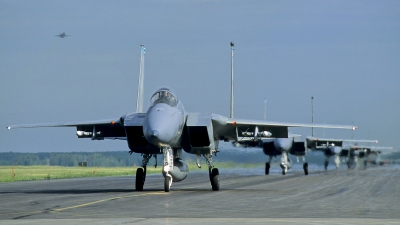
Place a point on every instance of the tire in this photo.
(139, 179)
(215, 179)
(267, 166)
(305, 167)
(144, 174)
(166, 183)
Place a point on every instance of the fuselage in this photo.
(332, 150)
(165, 119)
(283, 144)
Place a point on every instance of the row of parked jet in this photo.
(167, 129)
(347, 149)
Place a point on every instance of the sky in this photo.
(344, 53)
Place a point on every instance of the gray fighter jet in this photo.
(167, 128)
(274, 147)
(365, 153)
(62, 35)
(333, 147)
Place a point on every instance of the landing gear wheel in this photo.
(284, 168)
(305, 167)
(215, 179)
(167, 181)
(139, 179)
(348, 165)
(326, 165)
(267, 166)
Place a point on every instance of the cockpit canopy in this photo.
(164, 96)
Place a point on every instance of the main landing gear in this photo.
(268, 165)
(212, 172)
(305, 164)
(141, 172)
(305, 168)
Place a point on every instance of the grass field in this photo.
(24, 173)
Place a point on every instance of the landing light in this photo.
(9, 128)
(354, 128)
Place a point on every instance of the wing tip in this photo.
(354, 127)
(8, 128)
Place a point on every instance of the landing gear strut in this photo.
(285, 163)
(168, 166)
(212, 172)
(305, 164)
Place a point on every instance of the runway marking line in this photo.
(103, 200)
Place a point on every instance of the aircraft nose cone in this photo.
(154, 134)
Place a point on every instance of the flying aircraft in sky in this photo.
(63, 35)
(333, 147)
(166, 129)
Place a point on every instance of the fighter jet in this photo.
(365, 153)
(274, 147)
(166, 129)
(62, 35)
(333, 147)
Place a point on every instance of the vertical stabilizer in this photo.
(312, 115)
(232, 48)
(140, 90)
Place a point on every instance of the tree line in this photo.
(123, 158)
(102, 159)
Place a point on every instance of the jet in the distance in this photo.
(333, 147)
(274, 147)
(62, 35)
(365, 153)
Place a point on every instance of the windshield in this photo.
(164, 97)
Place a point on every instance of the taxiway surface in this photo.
(247, 196)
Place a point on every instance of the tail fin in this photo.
(139, 100)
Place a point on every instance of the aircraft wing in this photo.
(232, 128)
(370, 148)
(96, 130)
(316, 143)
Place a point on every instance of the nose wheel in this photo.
(167, 183)
(284, 168)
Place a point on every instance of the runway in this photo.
(246, 196)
